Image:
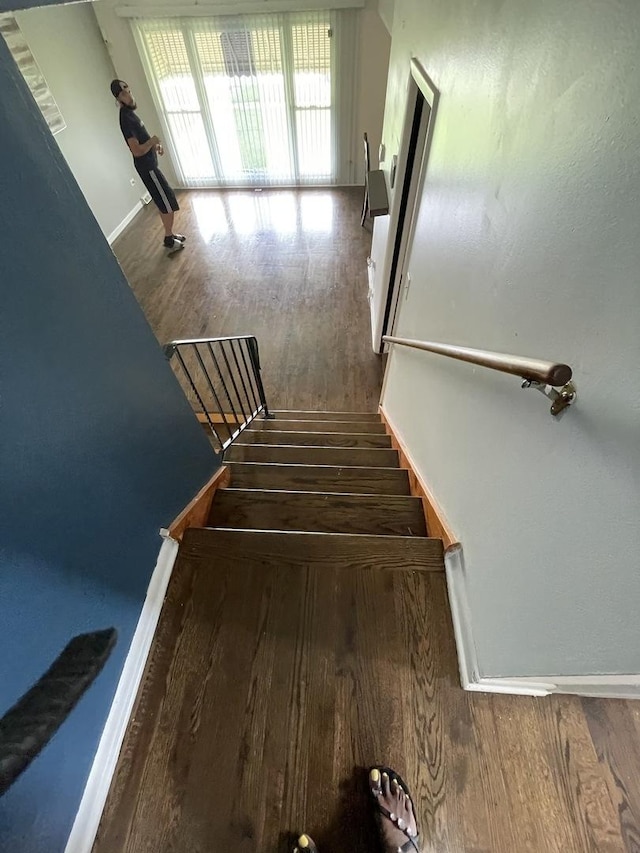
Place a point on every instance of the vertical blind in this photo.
(256, 100)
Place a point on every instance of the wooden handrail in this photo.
(531, 369)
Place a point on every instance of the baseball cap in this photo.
(116, 87)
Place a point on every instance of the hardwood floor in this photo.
(275, 680)
(274, 684)
(287, 266)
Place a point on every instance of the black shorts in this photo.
(160, 191)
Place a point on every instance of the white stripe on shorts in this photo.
(163, 195)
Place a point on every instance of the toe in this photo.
(306, 845)
(375, 780)
(386, 790)
(401, 804)
(409, 809)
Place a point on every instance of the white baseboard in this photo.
(626, 686)
(460, 616)
(85, 826)
(117, 231)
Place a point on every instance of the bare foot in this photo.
(305, 844)
(399, 830)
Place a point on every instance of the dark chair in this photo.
(367, 169)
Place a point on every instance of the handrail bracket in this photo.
(560, 398)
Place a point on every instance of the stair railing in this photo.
(222, 381)
(545, 376)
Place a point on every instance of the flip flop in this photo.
(305, 844)
(412, 840)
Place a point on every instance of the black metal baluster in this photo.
(233, 382)
(214, 431)
(244, 387)
(226, 390)
(256, 402)
(215, 396)
(254, 354)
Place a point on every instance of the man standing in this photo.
(145, 150)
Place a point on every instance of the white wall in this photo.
(528, 241)
(386, 9)
(375, 46)
(373, 59)
(66, 43)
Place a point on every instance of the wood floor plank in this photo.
(312, 709)
(126, 786)
(316, 439)
(614, 725)
(582, 784)
(241, 267)
(422, 696)
(368, 653)
(321, 512)
(358, 457)
(372, 481)
(522, 766)
(240, 714)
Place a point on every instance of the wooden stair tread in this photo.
(361, 457)
(315, 439)
(301, 415)
(319, 478)
(311, 550)
(390, 515)
(328, 426)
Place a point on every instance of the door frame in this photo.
(411, 167)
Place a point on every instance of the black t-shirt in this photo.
(132, 126)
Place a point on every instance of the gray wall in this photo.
(528, 241)
(99, 449)
(78, 70)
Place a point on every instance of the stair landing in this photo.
(269, 682)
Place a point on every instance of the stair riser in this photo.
(327, 416)
(301, 550)
(322, 513)
(358, 457)
(315, 439)
(319, 426)
(370, 481)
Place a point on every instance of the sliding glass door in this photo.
(250, 100)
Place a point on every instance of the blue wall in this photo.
(98, 450)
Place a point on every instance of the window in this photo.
(251, 100)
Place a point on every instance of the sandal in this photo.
(375, 788)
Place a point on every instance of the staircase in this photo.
(303, 632)
(319, 487)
